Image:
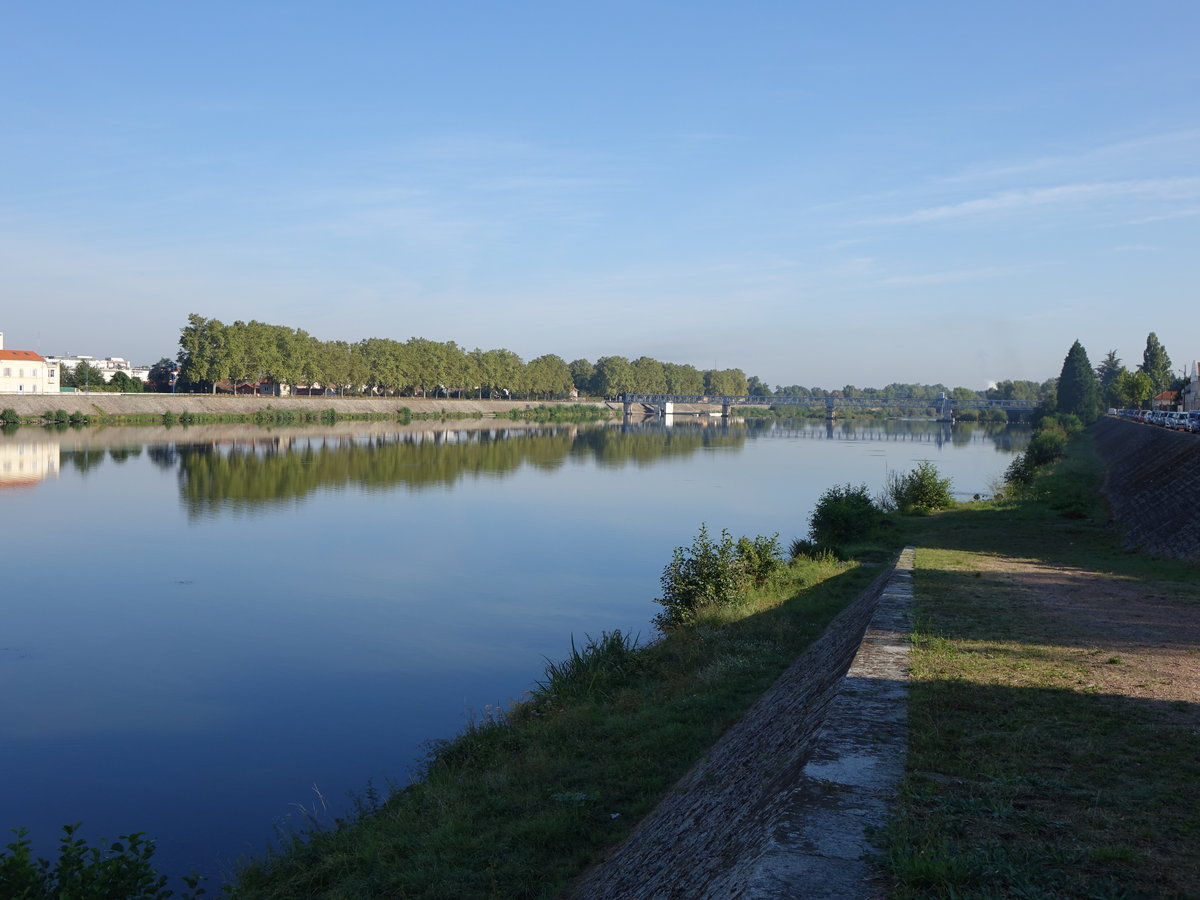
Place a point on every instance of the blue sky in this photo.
(822, 194)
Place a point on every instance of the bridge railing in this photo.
(828, 402)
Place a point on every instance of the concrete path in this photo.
(819, 848)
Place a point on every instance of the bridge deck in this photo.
(939, 403)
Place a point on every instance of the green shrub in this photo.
(170, 418)
(9, 416)
(122, 871)
(1019, 473)
(706, 574)
(78, 418)
(759, 557)
(922, 490)
(844, 514)
(714, 574)
(1045, 447)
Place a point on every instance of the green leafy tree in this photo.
(1156, 364)
(582, 375)
(683, 380)
(124, 383)
(499, 370)
(203, 354)
(614, 375)
(548, 376)
(160, 375)
(1132, 390)
(648, 376)
(84, 376)
(725, 382)
(755, 387)
(1106, 373)
(1078, 389)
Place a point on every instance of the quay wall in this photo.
(1152, 485)
(225, 404)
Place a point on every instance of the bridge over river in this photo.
(945, 406)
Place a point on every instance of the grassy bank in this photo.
(528, 797)
(1047, 756)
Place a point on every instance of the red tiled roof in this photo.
(23, 355)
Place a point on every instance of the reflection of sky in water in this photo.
(191, 676)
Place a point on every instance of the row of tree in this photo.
(1086, 392)
(247, 353)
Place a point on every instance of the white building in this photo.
(109, 366)
(26, 372)
(1189, 397)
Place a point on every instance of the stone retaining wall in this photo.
(224, 404)
(1152, 485)
(780, 805)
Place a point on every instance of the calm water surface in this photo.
(210, 633)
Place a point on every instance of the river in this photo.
(216, 634)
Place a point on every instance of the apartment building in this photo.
(26, 372)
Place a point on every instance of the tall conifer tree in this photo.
(1078, 388)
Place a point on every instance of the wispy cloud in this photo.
(1007, 201)
(944, 277)
(1182, 144)
(1166, 217)
(544, 183)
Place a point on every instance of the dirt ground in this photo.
(1131, 642)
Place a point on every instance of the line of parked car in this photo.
(1174, 420)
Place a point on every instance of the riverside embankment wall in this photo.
(224, 404)
(1152, 485)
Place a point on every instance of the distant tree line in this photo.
(248, 353)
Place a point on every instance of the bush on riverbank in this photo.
(1047, 446)
(714, 574)
(923, 490)
(120, 871)
(844, 515)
